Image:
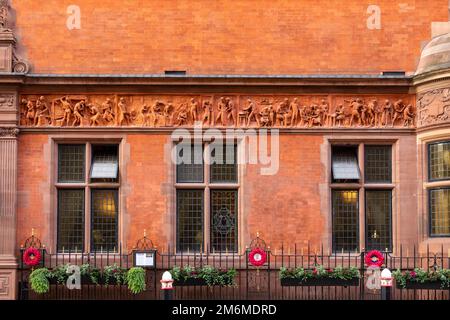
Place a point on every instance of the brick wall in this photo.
(225, 36)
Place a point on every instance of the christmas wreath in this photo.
(374, 258)
(31, 257)
(257, 257)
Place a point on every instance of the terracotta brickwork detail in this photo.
(433, 107)
(161, 111)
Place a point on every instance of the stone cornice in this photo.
(309, 82)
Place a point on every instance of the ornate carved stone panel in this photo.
(159, 111)
(433, 107)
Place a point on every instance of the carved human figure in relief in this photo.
(314, 116)
(399, 107)
(78, 113)
(144, 115)
(408, 116)
(281, 112)
(251, 113)
(30, 112)
(295, 109)
(182, 115)
(42, 112)
(156, 111)
(378, 113)
(193, 107)
(208, 113)
(264, 116)
(355, 115)
(230, 111)
(123, 115)
(222, 109)
(67, 108)
(167, 114)
(387, 112)
(340, 115)
(323, 110)
(107, 111)
(94, 114)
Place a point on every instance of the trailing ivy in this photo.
(136, 280)
(39, 280)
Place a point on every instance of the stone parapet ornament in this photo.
(227, 110)
(9, 60)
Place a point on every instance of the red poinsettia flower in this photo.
(330, 270)
(314, 271)
(412, 274)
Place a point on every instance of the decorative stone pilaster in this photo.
(8, 193)
(8, 199)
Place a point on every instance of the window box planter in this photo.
(190, 282)
(427, 285)
(85, 280)
(319, 282)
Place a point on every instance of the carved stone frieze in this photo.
(159, 111)
(433, 107)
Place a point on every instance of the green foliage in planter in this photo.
(39, 280)
(136, 280)
(92, 272)
(420, 275)
(115, 272)
(60, 273)
(211, 275)
(319, 272)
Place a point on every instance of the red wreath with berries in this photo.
(374, 258)
(257, 257)
(31, 257)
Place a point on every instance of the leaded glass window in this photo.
(377, 164)
(439, 161)
(345, 220)
(71, 163)
(224, 163)
(224, 220)
(104, 212)
(378, 219)
(70, 220)
(189, 220)
(190, 170)
(439, 212)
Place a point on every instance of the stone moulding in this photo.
(221, 110)
(9, 132)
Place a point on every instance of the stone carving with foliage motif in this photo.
(433, 107)
(160, 111)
